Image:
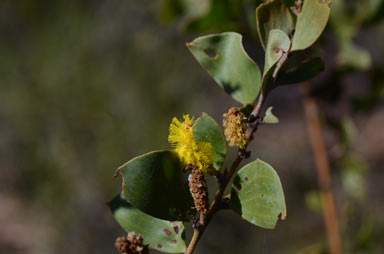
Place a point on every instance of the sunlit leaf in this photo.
(257, 195)
(223, 56)
(155, 184)
(206, 129)
(310, 23)
(161, 235)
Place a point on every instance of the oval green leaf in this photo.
(225, 59)
(273, 15)
(257, 195)
(278, 47)
(278, 44)
(310, 23)
(207, 130)
(161, 235)
(155, 184)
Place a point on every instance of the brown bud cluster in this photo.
(199, 189)
(131, 244)
(233, 123)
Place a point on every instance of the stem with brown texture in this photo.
(323, 171)
(197, 233)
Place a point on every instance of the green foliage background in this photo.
(87, 85)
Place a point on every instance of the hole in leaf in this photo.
(176, 228)
(210, 52)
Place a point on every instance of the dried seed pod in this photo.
(131, 244)
(199, 189)
(233, 123)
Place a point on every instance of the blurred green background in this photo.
(87, 85)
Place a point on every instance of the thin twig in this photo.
(323, 171)
(253, 120)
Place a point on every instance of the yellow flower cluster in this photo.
(234, 131)
(189, 150)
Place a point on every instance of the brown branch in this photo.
(253, 120)
(323, 171)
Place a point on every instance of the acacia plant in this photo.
(163, 189)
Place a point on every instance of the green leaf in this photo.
(189, 10)
(224, 57)
(257, 195)
(278, 44)
(310, 23)
(155, 184)
(270, 16)
(354, 56)
(161, 235)
(222, 16)
(300, 72)
(269, 117)
(207, 130)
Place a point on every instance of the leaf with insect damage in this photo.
(225, 59)
(257, 195)
(161, 235)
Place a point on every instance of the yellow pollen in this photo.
(184, 143)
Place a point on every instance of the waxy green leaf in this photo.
(269, 117)
(224, 57)
(270, 16)
(161, 235)
(278, 47)
(278, 44)
(257, 195)
(155, 184)
(310, 23)
(207, 130)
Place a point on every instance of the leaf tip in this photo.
(281, 216)
(117, 172)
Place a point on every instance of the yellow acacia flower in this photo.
(189, 150)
